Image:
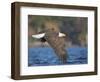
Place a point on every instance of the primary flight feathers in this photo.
(38, 36)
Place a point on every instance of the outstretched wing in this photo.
(38, 36)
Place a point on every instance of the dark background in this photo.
(75, 28)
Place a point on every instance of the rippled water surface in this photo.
(45, 56)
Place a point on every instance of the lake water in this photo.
(45, 56)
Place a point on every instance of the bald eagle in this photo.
(57, 46)
(55, 39)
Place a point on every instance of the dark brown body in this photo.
(56, 42)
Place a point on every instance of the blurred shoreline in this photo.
(45, 44)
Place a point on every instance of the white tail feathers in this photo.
(38, 36)
(61, 34)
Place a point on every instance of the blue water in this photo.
(45, 56)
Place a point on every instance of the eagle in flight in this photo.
(55, 39)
